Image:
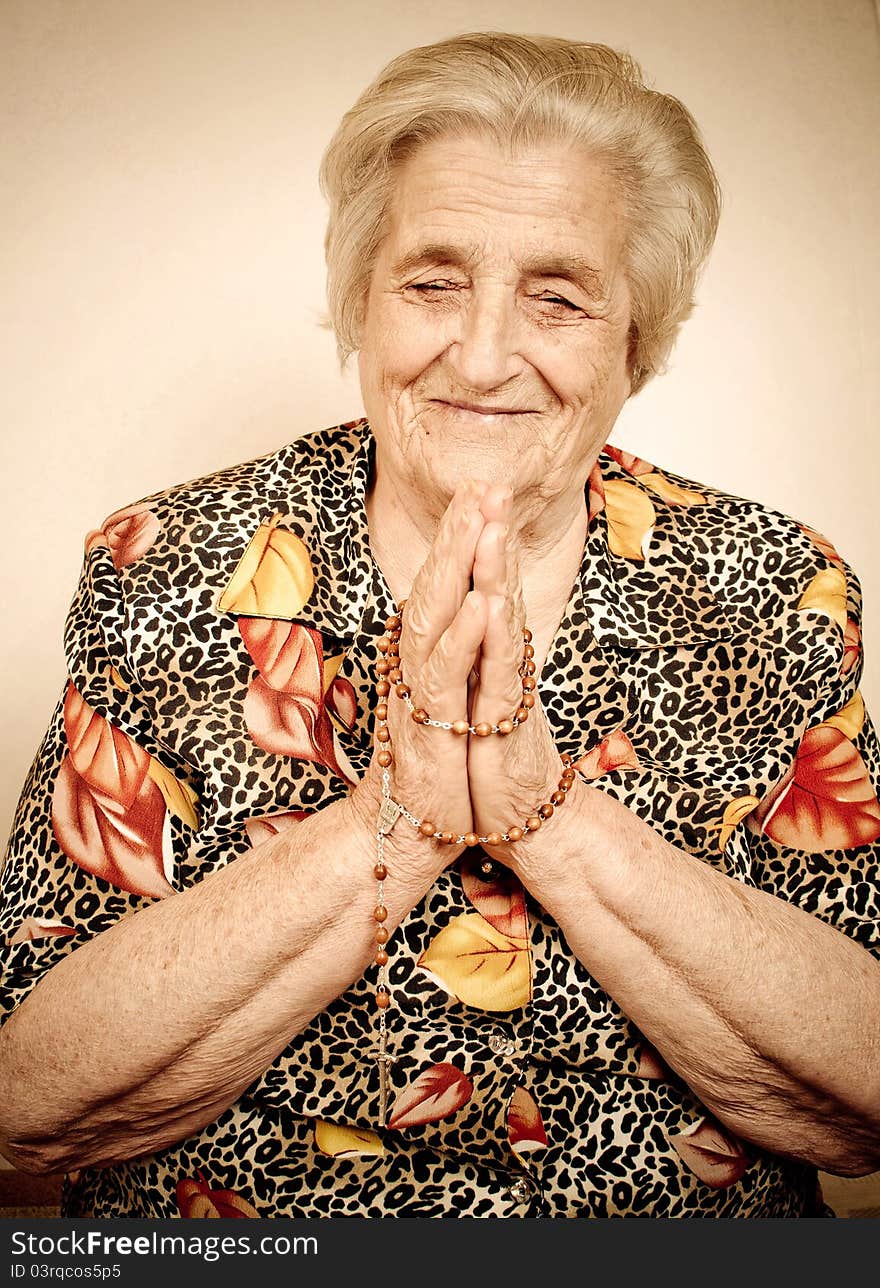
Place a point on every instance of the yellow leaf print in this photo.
(180, 798)
(671, 492)
(849, 719)
(346, 1142)
(479, 965)
(734, 812)
(826, 594)
(631, 517)
(273, 578)
(331, 666)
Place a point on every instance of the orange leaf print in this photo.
(347, 1142)
(713, 1155)
(33, 928)
(826, 594)
(128, 534)
(596, 494)
(673, 493)
(288, 657)
(196, 1199)
(501, 901)
(852, 646)
(274, 576)
(850, 718)
(121, 845)
(285, 711)
(613, 752)
(632, 464)
(631, 517)
(525, 1130)
(734, 812)
(437, 1092)
(826, 801)
(104, 757)
(479, 965)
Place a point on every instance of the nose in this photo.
(484, 354)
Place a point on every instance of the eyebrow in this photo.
(569, 268)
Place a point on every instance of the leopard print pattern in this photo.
(700, 654)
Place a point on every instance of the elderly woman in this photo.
(448, 815)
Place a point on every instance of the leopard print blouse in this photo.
(220, 649)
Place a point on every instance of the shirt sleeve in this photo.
(106, 815)
(814, 840)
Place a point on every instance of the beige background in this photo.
(162, 272)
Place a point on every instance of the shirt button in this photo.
(501, 1044)
(521, 1190)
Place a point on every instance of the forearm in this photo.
(149, 1031)
(769, 1014)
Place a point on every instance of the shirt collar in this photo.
(659, 601)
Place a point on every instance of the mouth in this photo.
(482, 409)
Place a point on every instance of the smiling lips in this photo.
(477, 409)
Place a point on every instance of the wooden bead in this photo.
(527, 635)
(380, 912)
(567, 776)
(382, 734)
(392, 623)
(546, 811)
(460, 726)
(522, 715)
(493, 838)
(395, 675)
(447, 838)
(383, 644)
(558, 797)
(533, 823)
(420, 715)
(515, 833)
(528, 652)
(385, 758)
(471, 839)
(529, 684)
(381, 935)
(402, 690)
(383, 666)
(381, 957)
(483, 729)
(380, 872)
(529, 668)
(383, 688)
(528, 700)
(567, 761)
(506, 726)
(382, 711)
(427, 828)
(382, 999)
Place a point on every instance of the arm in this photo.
(147, 1032)
(769, 1014)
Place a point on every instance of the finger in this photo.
(496, 503)
(443, 681)
(500, 694)
(445, 577)
(490, 560)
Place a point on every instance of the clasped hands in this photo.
(461, 649)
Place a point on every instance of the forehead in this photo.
(550, 201)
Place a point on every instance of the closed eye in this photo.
(426, 288)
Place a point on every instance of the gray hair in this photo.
(521, 91)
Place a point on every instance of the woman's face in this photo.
(496, 330)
